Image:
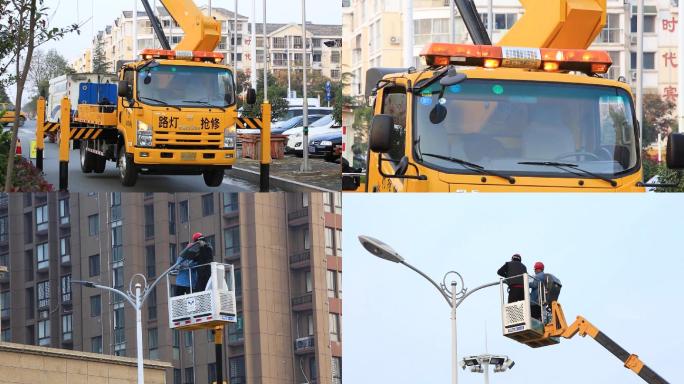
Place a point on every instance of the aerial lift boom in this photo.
(201, 33)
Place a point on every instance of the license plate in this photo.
(312, 149)
(188, 156)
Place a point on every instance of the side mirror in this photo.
(251, 96)
(675, 151)
(381, 133)
(125, 90)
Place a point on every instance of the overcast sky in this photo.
(619, 259)
(66, 12)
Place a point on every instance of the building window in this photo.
(334, 326)
(236, 369)
(4, 233)
(28, 227)
(6, 335)
(65, 249)
(43, 294)
(188, 340)
(337, 370)
(172, 218)
(44, 332)
(172, 253)
(153, 343)
(208, 204)
(176, 344)
(42, 256)
(649, 60)
(337, 200)
(96, 344)
(118, 274)
(150, 261)
(231, 241)
(211, 372)
(238, 282)
(329, 236)
(309, 283)
(65, 285)
(309, 324)
(42, 218)
(64, 211)
(119, 327)
(149, 221)
(611, 32)
(152, 305)
(335, 57)
(335, 74)
(117, 242)
(177, 376)
(189, 376)
(230, 202)
(116, 206)
(649, 23)
(327, 205)
(95, 306)
(305, 200)
(338, 241)
(184, 211)
(427, 30)
(94, 265)
(332, 283)
(504, 21)
(236, 330)
(5, 303)
(67, 321)
(307, 242)
(30, 303)
(93, 225)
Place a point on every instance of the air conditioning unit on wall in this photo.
(395, 40)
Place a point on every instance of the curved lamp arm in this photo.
(448, 300)
(93, 285)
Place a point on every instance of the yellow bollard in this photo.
(265, 147)
(64, 133)
(40, 132)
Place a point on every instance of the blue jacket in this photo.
(183, 278)
(534, 285)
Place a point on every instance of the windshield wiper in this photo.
(164, 103)
(563, 166)
(431, 80)
(205, 103)
(472, 166)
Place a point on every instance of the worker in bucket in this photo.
(201, 253)
(514, 269)
(537, 282)
(182, 270)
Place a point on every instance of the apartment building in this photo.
(373, 36)
(286, 250)
(284, 40)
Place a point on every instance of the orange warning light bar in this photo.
(547, 59)
(214, 57)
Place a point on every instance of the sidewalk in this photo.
(285, 174)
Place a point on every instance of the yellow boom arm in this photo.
(202, 33)
(569, 24)
(559, 328)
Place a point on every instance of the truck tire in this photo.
(100, 164)
(127, 168)
(87, 160)
(213, 177)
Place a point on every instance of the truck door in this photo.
(393, 104)
(125, 111)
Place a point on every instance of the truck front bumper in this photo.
(184, 157)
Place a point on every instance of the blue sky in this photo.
(618, 257)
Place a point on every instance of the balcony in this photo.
(64, 221)
(304, 345)
(298, 217)
(303, 302)
(43, 266)
(300, 260)
(66, 298)
(42, 228)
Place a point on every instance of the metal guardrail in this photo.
(303, 299)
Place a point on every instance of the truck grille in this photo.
(188, 139)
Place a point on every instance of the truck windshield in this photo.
(186, 86)
(514, 126)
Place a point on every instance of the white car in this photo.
(294, 142)
(324, 122)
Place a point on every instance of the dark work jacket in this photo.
(513, 268)
(201, 253)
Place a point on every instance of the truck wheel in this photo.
(87, 160)
(127, 169)
(100, 164)
(213, 177)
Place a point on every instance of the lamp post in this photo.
(135, 296)
(453, 297)
(481, 364)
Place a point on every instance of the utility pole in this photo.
(209, 8)
(135, 29)
(235, 34)
(680, 68)
(408, 33)
(253, 75)
(640, 70)
(289, 80)
(306, 167)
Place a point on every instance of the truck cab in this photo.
(7, 112)
(489, 118)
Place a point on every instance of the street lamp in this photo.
(453, 297)
(481, 363)
(135, 297)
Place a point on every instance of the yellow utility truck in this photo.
(533, 113)
(8, 114)
(175, 109)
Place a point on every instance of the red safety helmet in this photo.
(538, 265)
(197, 236)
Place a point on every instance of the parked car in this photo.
(298, 111)
(281, 126)
(8, 116)
(328, 145)
(325, 121)
(295, 142)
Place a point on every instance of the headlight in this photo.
(144, 135)
(326, 143)
(229, 137)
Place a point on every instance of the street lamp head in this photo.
(380, 249)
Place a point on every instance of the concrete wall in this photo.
(27, 364)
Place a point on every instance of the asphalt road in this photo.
(109, 180)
